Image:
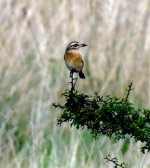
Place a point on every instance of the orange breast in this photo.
(73, 60)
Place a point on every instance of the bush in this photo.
(107, 115)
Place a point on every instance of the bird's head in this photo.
(75, 46)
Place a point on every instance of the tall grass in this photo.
(33, 37)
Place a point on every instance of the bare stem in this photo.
(128, 91)
(72, 81)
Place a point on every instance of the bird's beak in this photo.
(83, 45)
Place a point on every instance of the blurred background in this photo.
(33, 38)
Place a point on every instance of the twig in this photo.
(128, 91)
(115, 161)
(100, 98)
(73, 84)
(71, 76)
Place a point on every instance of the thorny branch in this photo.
(115, 161)
(100, 98)
(128, 91)
(73, 83)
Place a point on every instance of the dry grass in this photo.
(33, 37)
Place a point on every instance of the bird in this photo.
(73, 58)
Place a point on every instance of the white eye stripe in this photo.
(73, 43)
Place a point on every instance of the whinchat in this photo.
(73, 58)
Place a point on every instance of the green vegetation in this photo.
(108, 115)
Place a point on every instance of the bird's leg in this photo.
(71, 74)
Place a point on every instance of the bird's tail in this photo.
(81, 75)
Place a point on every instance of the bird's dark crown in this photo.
(74, 45)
